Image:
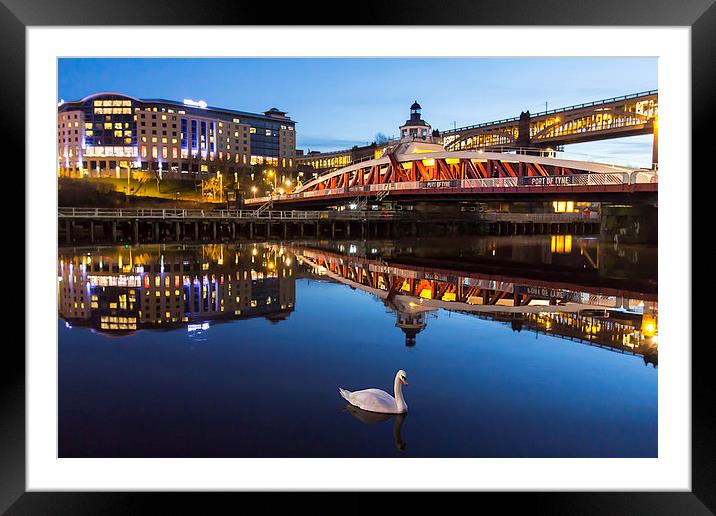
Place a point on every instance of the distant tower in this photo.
(415, 128)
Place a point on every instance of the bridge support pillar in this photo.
(196, 231)
(268, 230)
(301, 228)
(233, 230)
(91, 228)
(177, 230)
(333, 230)
(318, 229)
(156, 231)
(251, 230)
(213, 228)
(285, 230)
(135, 231)
(348, 229)
(114, 231)
(68, 231)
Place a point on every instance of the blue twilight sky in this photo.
(338, 103)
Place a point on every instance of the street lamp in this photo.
(253, 190)
(271, 174)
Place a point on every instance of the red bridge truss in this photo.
(424, 169)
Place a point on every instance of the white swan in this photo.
(375, 400)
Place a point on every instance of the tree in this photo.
(380, 139)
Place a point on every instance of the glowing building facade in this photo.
(112, 135)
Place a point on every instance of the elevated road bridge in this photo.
(617, 117)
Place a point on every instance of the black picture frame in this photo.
(16, 15)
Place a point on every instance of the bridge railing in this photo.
(552, 111)
(147, 213)
(612, 178)
(540, 217)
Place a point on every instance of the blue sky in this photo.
(341, 102)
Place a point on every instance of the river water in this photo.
(540, 346)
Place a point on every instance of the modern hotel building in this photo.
(111, 134)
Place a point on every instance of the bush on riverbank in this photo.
(103, 193)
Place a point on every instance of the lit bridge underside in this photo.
(415, 171)
(558, 308)
(629, 115)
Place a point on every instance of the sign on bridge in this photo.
(440, 184)
(546, 180)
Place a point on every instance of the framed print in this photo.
(418, 252)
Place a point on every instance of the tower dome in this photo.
(415, 128)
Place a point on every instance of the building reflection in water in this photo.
(120, 290)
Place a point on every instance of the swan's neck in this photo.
(398, 388)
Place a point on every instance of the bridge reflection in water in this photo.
(553, 299)
(576, 291)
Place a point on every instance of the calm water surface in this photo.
(514, 347)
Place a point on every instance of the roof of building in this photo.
(413, 122)
(415, 105)
(272, 113)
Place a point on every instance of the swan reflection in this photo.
(373, 418)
